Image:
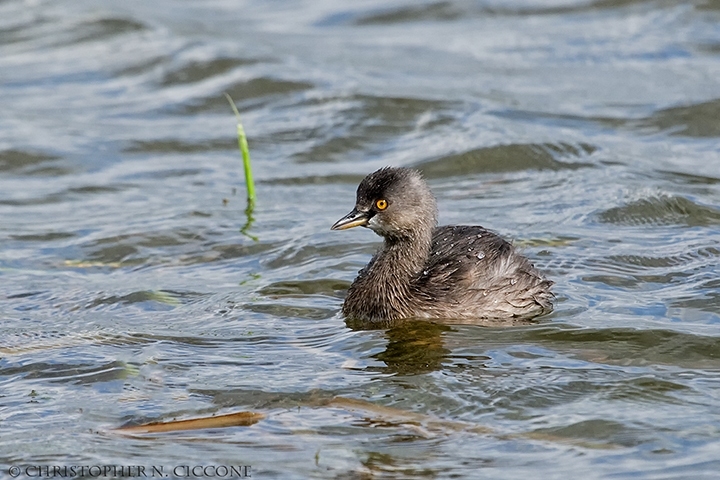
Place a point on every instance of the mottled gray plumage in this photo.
(424, 271)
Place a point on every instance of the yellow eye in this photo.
(381, 204)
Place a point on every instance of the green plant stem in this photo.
(245, 152)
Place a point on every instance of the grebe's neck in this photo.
(382, 289)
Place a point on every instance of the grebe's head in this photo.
(394, 203)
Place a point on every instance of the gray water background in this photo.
(132, 288)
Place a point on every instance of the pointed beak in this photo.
(352, 219)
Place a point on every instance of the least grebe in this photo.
(426, 271)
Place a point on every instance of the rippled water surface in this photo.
(133, 287)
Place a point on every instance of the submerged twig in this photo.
(239, 419)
